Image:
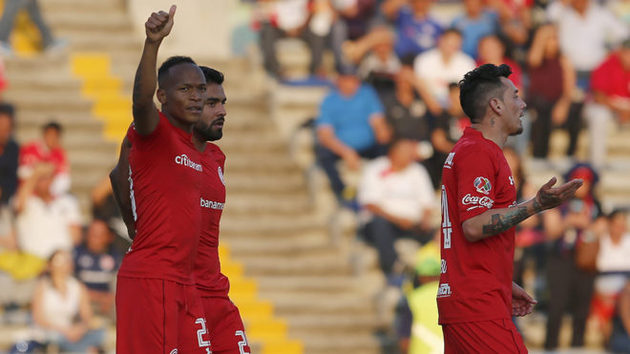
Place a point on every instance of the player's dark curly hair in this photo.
(212, 76)
(478, 86)
(169, 63)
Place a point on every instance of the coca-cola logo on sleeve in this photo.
(477, 202)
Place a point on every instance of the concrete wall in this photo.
(202, 27)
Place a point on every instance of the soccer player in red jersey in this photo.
(156, 295)
(476, 296)
(226, 333)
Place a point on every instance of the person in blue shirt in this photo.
(96, 264)
(416, 30)
(350, 125)
(477, 22)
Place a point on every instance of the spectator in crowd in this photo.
(96, 264)
(350, 125)
(47, 150)
(446, 128)
(610, 85)
(420, 330)
(529, 253)
(443, 65)
(620, 339)
(476, 23)
(407, 107)
(613, 265)
(416, 30)
(584, 29)
(354, 19)
(45, 222)
(374, 53)
(492, 51)
(288, 18)
(571, 229)
(9, 13)
(398, 196)
(551, 88)
(61, 308)
(9, 153)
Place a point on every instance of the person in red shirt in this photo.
(156, 297)
(610, 86)
(476, 297)
(48, 150)
(224, 324)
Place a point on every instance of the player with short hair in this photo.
(156, 295)
(226, 332)
(476, 297)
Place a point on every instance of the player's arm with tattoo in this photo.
(496, 221)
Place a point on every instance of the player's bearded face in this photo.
(210, 126)
(515, 110)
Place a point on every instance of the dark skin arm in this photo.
(145, 113)
(119, 177)
(496, 221)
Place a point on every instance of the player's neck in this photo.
(491, 132)
(199, 143)
(187, 127)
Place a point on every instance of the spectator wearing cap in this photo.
(610, 85)
(350, 125)
(397, 196)
(571, 230)
(418, 328)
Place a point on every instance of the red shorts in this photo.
(158, 316)
(494, 336)
(227, 333)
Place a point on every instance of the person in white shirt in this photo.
(585, 29)
(613, 265)
(45, 223)
(398, 196)
(443, 65)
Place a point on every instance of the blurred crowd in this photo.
(393, 114)
(57, 271)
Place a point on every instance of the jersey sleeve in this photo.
(369, 190)
(326, 116)
(476, 189)
(156, 137)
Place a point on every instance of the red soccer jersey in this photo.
(36, 152)
(476, 279)
(208, 275)
(165, 174)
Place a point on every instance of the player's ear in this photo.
(161, 96)
(496, 105)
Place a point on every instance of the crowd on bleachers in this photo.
(57, 275)
(395, 101)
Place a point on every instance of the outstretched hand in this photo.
(159, 24)
(522, 303)
(550, 197)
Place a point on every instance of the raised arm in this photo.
(495, 221)
(119, 177)
(145, 114)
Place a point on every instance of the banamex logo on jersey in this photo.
(482, 185)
